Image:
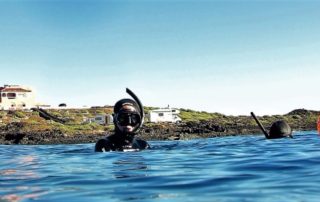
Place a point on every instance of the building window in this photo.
(22, 95)
(4, 95)
(160, 114)
(11, 95)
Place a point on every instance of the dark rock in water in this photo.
(14, 138)
(47, 137)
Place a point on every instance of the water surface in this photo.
(239, 168)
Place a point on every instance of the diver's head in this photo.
(127, 117)
(280, 129)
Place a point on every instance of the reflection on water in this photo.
(245, 168)
(129, 166)
(21, 168)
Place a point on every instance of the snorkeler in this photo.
(127, 118)
(278, 129)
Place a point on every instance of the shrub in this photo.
(19, 114)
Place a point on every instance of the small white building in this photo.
(164, 115)
(16, 97)
(102, 119)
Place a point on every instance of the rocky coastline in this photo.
(21, 133)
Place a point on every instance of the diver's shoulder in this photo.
(103, 145)
(140, 143)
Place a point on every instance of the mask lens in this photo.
(125, 119)
(135, 119)
(122, 119)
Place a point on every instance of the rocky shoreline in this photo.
(16, 133)
(160, 132)
(183, 131)
(13, 135)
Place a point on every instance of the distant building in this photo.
(102, 119)
(16, 97)
(164, 115)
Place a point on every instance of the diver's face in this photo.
(127, 119)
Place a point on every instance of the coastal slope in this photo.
(28, 127)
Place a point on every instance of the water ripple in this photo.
(238, 168)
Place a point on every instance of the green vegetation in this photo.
(299, 119)
(191, 115)
(147, 109)
(77, 120)
(30, 121)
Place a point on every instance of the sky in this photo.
(228, 56)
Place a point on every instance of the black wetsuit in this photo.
(120, 142)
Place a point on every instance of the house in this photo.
(16, 97)
(102, 119)
(164, 115)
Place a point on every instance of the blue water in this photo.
(240, 168)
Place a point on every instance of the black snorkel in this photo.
(260, 125)
(139, 104)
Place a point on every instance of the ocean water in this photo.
(238, 168)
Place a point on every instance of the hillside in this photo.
(29, 127)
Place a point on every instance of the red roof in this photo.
(3, 89)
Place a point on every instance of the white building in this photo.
(164, 115)
(16, 97)
(102, 119)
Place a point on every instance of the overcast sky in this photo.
(231, 57)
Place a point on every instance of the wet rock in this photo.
(47, 138)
